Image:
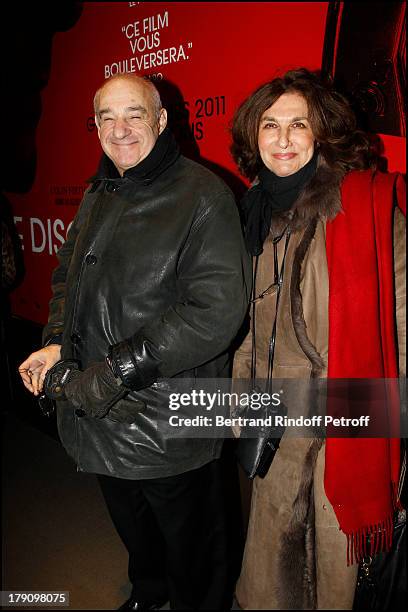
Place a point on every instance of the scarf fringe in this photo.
(369, 541)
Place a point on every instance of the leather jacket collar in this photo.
(163, 155)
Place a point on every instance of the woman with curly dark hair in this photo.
(326, 238)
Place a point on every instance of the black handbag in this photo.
(382, 580)
(255, 454)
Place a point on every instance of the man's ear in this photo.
(97, 124)
(162, 120)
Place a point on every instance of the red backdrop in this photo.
(215, 53)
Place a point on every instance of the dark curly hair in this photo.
(331, 118)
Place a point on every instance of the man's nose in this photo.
(121, 128)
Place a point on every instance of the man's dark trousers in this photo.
(174, 530)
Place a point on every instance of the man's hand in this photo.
(95, 390)
(35, 367)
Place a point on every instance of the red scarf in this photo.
(361, 475)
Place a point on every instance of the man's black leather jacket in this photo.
(158, 267)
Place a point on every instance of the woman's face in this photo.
(285, 138)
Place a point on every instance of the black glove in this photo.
(57, 377)
(124, 413)
(95, 390)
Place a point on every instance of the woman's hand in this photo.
(35, 367)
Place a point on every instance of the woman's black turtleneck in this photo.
(271, 194)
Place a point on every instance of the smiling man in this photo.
(129, 118)
(151, 283)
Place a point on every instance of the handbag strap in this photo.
(253, 324)
(278, 277)
(278, 281)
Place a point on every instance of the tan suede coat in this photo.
(299, 564)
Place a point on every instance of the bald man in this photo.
(151, 283)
